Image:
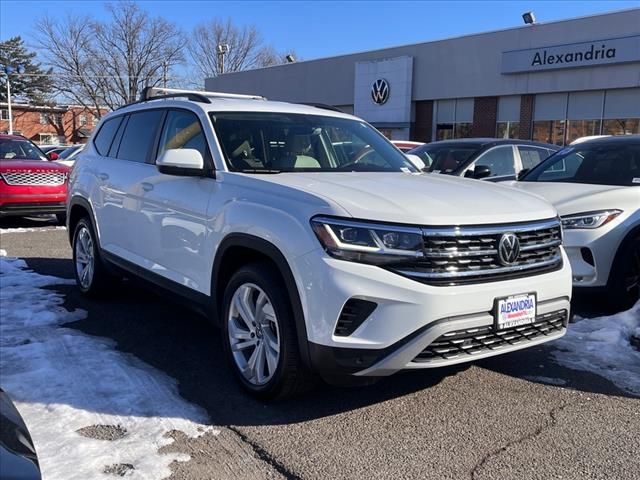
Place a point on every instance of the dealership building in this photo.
(552, 82)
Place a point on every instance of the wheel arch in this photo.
(628, 238)
(78, 208)
(238, 249)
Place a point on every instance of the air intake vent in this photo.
(354, 312)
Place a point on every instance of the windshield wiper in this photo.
(258, 170)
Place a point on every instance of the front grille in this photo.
(462, 255)
(465, 343)
(35, 178)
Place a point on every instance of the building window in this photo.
(621, 126)
(83, 120)
(4, 114)
(582, 128)
(508, 129)
(448, 131)
(50, 139)
(549, 131)
(44, 118)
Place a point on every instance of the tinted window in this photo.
(532, 156)
(499, 160)
(255, 141)
(182, 130)
(596, 164)
(105, 136)
(138, 135)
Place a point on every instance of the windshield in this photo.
(16, 149)
(69, 153)
(257, 142)
(445, 158)
(608, 164)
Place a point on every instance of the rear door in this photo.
(127, 164)
(173, 209)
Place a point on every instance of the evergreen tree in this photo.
(35, 84)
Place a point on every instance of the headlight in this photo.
(589, 220)
(377, 244)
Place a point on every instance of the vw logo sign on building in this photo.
(508, 249)
(380, 91)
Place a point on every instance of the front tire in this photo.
(259, 334)
(91, 275)
(623, 289)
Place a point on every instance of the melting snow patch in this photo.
(63, 381)
(31, 229)
(603, 346)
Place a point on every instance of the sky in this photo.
(326, 28)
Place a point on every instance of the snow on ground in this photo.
(30, 229)
(603, 346)
(62, 381)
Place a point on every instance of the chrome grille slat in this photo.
(34, 178)
(455, 255)
(469, 342)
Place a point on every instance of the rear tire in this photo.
(623, 289)
(259, 334)
(91, 275)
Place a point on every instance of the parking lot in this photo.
(516, 416)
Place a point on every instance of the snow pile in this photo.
(45, 228)
(63, 381)
(603, 346)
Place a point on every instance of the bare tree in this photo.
(109, 62)
(246, 49)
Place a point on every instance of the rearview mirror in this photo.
(416, 161)
(481, 171)
(181, 161)
(53, 156)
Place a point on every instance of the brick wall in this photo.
(526, 116)
(64, 122)
(422, 126)
(485, 111)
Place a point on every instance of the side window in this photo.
(138, 136)
(182, 130)
(499, 160)
(531, 156)
(104, 137)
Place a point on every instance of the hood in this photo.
(419, 199)
(569, 198)
(31, 166)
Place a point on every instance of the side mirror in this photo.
(181, 161)
(416, 161)
(522, 173)
(481, 171)
(53, 156)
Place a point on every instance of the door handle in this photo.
(103, 176)
(146, 186)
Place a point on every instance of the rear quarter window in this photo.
(104, 137)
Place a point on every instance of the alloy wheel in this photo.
(254, 335)
(85, 259)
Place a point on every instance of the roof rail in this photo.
(324, 106)
(150, 93)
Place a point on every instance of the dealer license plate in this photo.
(515, 311)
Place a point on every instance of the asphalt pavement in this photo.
(516, 416)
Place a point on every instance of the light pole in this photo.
(8, 70)
(223, 49)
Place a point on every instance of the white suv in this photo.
(311, 240)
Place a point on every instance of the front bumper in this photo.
(409, 315)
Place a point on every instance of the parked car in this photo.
(483, 158)
(406, 145)
(68, 155)
(29, 183)
(311, 255)
(18, 459)
(595, 185)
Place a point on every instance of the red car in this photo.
(29, 183)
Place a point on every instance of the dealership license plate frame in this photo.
(497, 326)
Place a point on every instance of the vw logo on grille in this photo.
(380, 91)
(508, 248)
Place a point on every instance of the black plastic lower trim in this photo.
(32, 208)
